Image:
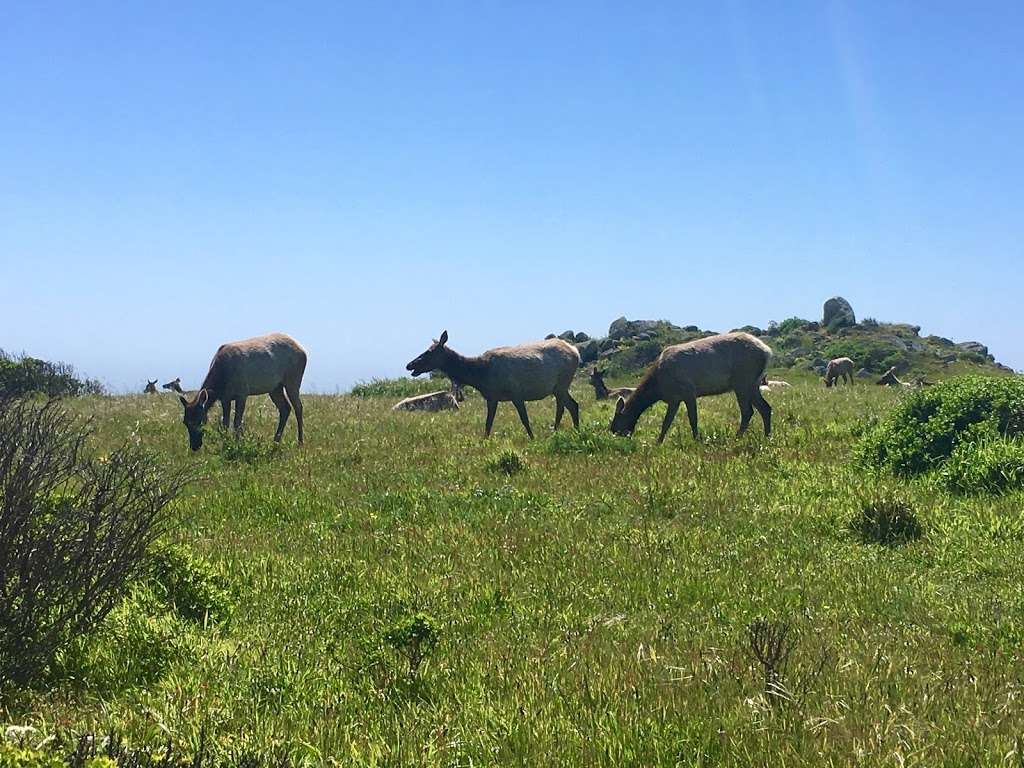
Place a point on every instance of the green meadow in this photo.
(401, 592)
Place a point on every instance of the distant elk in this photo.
(174, 386)
(889, 379)
(444, 400)
(728, 362)
(265, 365)
(841, 367)
(601, 390)
(518, 374)
(150, 387)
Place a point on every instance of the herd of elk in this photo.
(730, 362)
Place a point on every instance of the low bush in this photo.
(187, 584)
(74, 531)
(887, 519)
(924, 430)
(400, 388)
(994, 465)
(507, 462)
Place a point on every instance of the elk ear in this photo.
(184, 402)
(444, 338)
(204, 398)
(620, 404)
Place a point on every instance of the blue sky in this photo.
(176, 175)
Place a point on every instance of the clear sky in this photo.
(174, 175)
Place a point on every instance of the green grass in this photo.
(392, 594)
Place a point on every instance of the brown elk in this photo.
(601, 390)
(517, 374)
(150, 387)
(265, 365)
(174, 386)
(841, 367)
(713, 365)
(444, 400)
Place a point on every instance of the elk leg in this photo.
(691, 413)
(746, 411)
(283, 409)
(574, 409)
(670, 415)
(239, 410)
(492, 408)
(521, 407)
(559, 409)
(225, 412)
(293, 397)
(766, 412)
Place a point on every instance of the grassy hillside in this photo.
(402, 592)
(804, 345)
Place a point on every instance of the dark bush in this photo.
(74, 531)
(30, 376)
(887, 519)
(400, 388)
(927, 426)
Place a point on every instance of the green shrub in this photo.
(993, 465)
(876, 355)
(791, 325)
(887, 519)
(400, 388)
(508, 462)
(924, 430)
(241, 447)
(588, 439)
(187, 584)
(414, 638)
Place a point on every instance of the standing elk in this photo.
(517, 374)
(713, 365)
(265, 365)
(150, 387)
(174, 386)
(841, 367)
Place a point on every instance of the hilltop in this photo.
(631, 345)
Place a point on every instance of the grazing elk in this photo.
(150, 387)
(841, 367)
(265, 365)
(713, 365)
(601, 391)
(174, 386)
(517, 374)
(444, 400)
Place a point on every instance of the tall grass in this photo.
(399, 597)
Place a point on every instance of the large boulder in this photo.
(581, 337)
(624, 329)
(838, 313)
(567, 336)
(974, 347)
(588, 350)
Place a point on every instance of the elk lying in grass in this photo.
(889, 379)
(174, 386)
(733, 362)
(444, 400)
(601, 391)
(767, 385)
(150, 387)
(517, 374)
(841, 367)
(265, 365)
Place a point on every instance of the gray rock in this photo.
(643, 336)
(622, 328)
(567, 336)
(820, 370)
(607, 353)
(607, 343)
(588, 350)
(974, 347)
(691, 329)
(581, 336)
(838, 313)
(863, 373)
(550, 336)
(947, 359)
